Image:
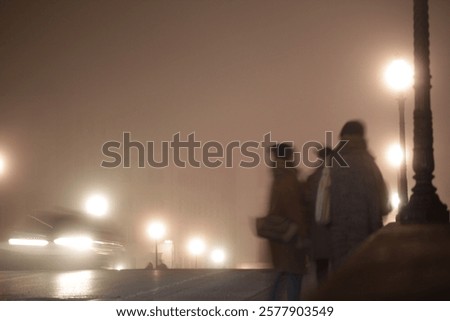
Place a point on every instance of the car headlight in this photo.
(27, 242)
(80, 243)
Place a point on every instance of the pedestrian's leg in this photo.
(277, 287)
(293, 286)
(321, 270)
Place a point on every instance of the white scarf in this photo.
(322, 212)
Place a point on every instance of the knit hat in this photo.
(353, 128)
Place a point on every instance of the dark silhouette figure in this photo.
(319, 233)
(149, 266)
(285, 200)
(358, 194)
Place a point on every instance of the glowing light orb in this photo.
(395, 155)
(97, 205)
(156, 230)
(395, 200)
(399, 75)
(196, 246)
(218, 256)
(2, 165)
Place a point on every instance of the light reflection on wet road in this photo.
(136, 285)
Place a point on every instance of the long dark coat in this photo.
(358, 199)
(286, 201)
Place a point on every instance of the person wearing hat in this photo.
(288, 258)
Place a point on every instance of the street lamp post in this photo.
(172, 251)
(156, 254)
(399, 76)
(424, 205)
(196, 246)
(402, 179)
(156, 231)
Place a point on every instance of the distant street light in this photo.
(395, 200)
(97, 205)
(218, 256)
(156, 231)
(399, 76)
(395, 155)
(172, 250)
(2, 165)
(196, 247)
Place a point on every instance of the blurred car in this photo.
(63, 240)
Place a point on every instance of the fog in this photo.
(78, 74)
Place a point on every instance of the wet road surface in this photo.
(132, 285)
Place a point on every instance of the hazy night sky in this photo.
(76, 74)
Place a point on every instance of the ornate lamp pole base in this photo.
(424, 208)
(424, 205)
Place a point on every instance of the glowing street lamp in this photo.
(395, 155)
(97, 205)
(218, 256)
(2, 165)
(399, 76)
(196, 247)
(156, 231)
(395, 200)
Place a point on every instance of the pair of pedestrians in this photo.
(337, 208)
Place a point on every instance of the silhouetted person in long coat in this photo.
(286, 201)
(358, 195)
